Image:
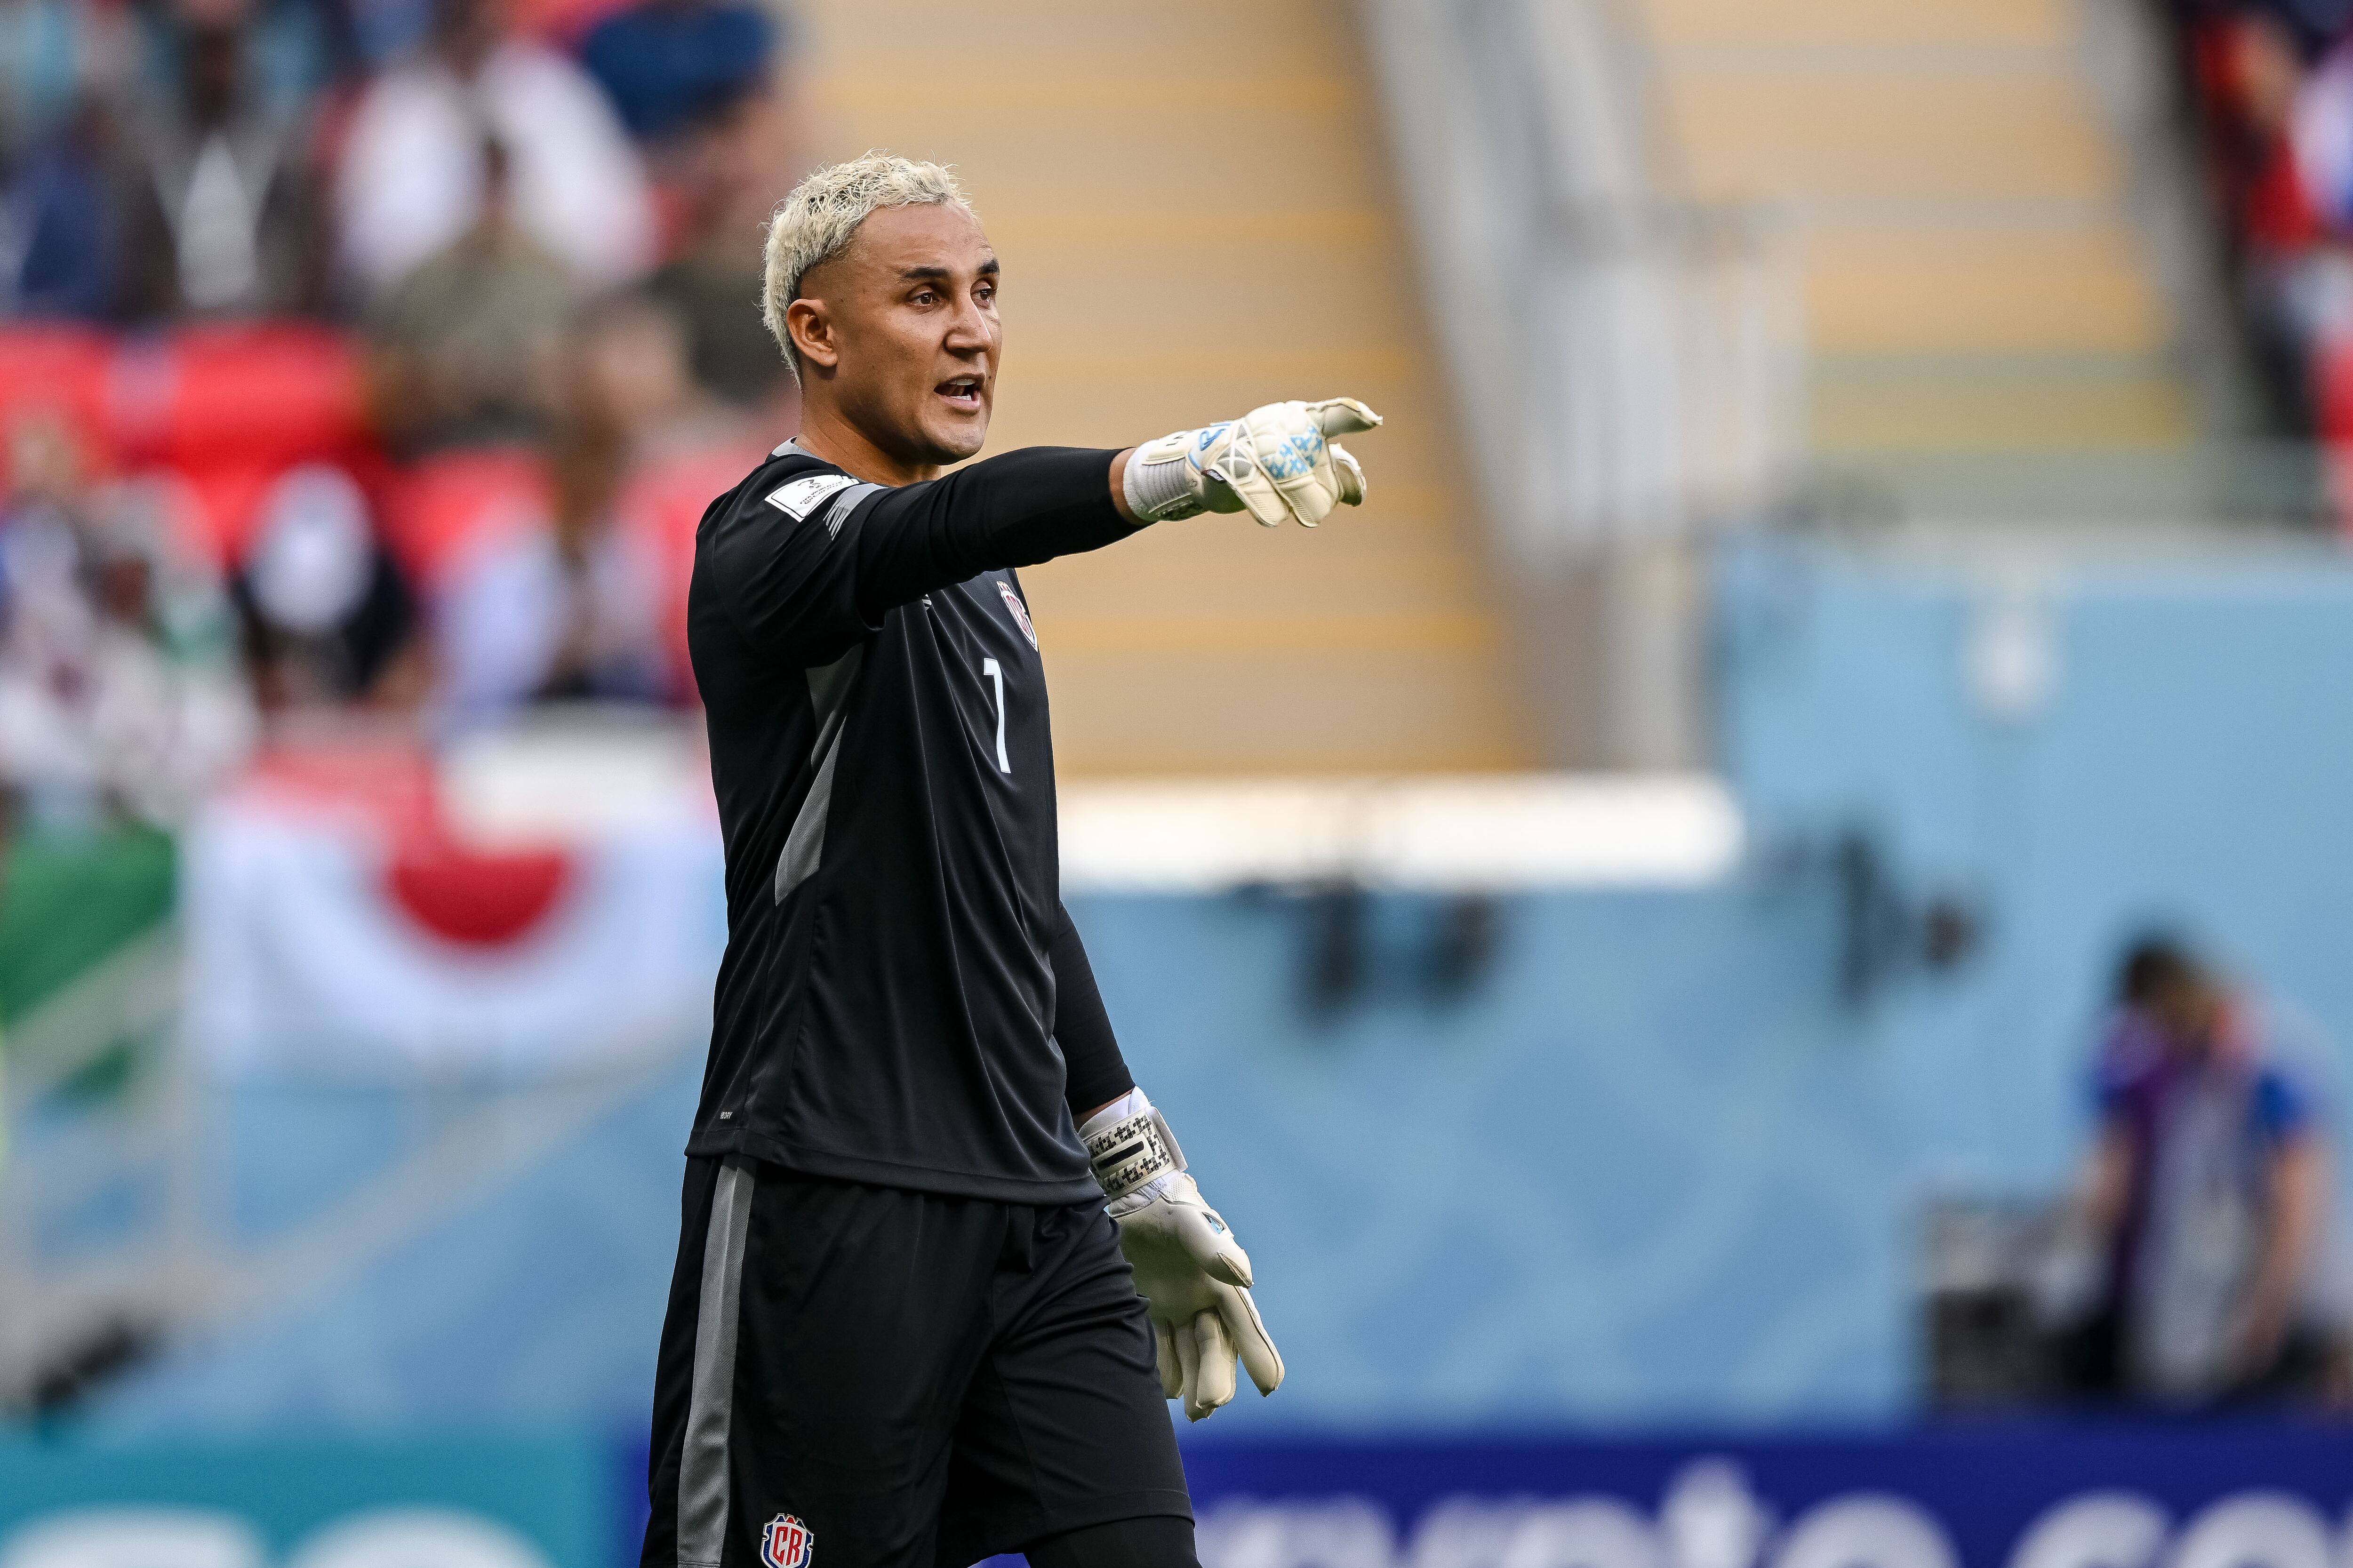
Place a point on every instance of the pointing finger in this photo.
(1342, 416)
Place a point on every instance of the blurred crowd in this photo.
(2272, 83)
(365, 357)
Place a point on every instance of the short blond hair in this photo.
(816, 221)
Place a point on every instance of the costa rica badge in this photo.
(786, 1543)
(1020, 611)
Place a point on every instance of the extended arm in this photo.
(1015, 510)
(811, 567)
(1276, 462)
(806, 568)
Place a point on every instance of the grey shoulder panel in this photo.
(843, 505)
(805, 845)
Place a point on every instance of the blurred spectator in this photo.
(220, 217)
(292, 49)
(684, 445)
(633, 384)
(2256, 72)
(2207, 1190)
(412, 179)
(58, 244)
(725, 176)
(572, 612)
(114, 693)
(51, 54)
(671, 65)
(464, 349)
(326, 615)
(380, 31)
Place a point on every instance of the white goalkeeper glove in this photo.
(1276, 462)
(1193, 1276)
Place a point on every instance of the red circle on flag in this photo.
(478, 899)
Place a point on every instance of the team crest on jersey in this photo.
(786, 1543)
(1020, 611)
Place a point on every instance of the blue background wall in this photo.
(2192, 765)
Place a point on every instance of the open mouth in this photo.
(962, 391)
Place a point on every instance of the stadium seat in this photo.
(231, 408)
(58, 367)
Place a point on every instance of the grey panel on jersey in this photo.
(805, 845)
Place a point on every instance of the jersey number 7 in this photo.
(996, 673)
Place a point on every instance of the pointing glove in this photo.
(1193, 1276)
(1276, 462)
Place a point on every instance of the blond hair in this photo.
(816, 221)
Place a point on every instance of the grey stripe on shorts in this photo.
(702, 1466)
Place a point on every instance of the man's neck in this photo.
(825, 433)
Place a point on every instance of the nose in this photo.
(971, 331)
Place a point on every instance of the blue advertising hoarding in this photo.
(1992, 1495)
(543, 1500)
(2002, 1495)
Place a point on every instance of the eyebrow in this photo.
(930, 271)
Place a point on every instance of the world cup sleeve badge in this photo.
(1020, 611)
(786, 1543)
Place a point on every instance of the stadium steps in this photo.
(1190, 227)
(1973, 280)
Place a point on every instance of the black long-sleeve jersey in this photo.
(904, 1000)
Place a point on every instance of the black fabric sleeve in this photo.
(807, 593)
(1097, 1072)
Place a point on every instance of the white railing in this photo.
(1628, 360)
(1627, 363)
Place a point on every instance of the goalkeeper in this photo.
(904, 1328)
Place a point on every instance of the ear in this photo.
(811, 330)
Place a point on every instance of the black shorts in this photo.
(864, 1377)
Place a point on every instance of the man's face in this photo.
(2186, 1012)
(900, 331)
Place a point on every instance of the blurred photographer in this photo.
(2206, 1201)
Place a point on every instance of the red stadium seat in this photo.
(441, 510)
(231, 408)
(270, 394)
(62, 369)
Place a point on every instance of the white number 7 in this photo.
(995, 672)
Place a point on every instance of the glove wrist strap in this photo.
(1132, 1150)
(1162, 491)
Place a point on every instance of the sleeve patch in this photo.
(801, 497)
